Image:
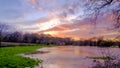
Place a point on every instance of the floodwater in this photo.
(69, 56)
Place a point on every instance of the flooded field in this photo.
(69, 56)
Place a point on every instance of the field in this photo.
(10, 58)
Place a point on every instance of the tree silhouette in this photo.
(99, 7)
(3, 28)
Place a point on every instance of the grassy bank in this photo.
(9, 57)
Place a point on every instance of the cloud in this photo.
(33, 1)
(62, 18)
(82, 29)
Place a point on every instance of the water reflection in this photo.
(66, 56)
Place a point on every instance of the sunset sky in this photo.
(61, 18)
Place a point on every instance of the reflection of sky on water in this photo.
(69, 56)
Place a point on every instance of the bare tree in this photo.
(98, 7)
(3, 28)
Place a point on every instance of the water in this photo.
(69, 56)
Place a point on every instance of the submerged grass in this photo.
(9, 57)
(102, 57)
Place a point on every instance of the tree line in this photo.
(18, 37)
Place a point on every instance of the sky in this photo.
(59, 18)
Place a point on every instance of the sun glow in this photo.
(53, 33)
(49, 24)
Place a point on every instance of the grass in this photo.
(102, 57)
(9, 57)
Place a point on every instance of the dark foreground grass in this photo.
(102, 57)
(9, 57)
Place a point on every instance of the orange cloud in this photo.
(62, 27)
(53, 33)
(58, 26)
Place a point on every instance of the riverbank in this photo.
(10, 58)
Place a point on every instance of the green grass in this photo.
(9, 57)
